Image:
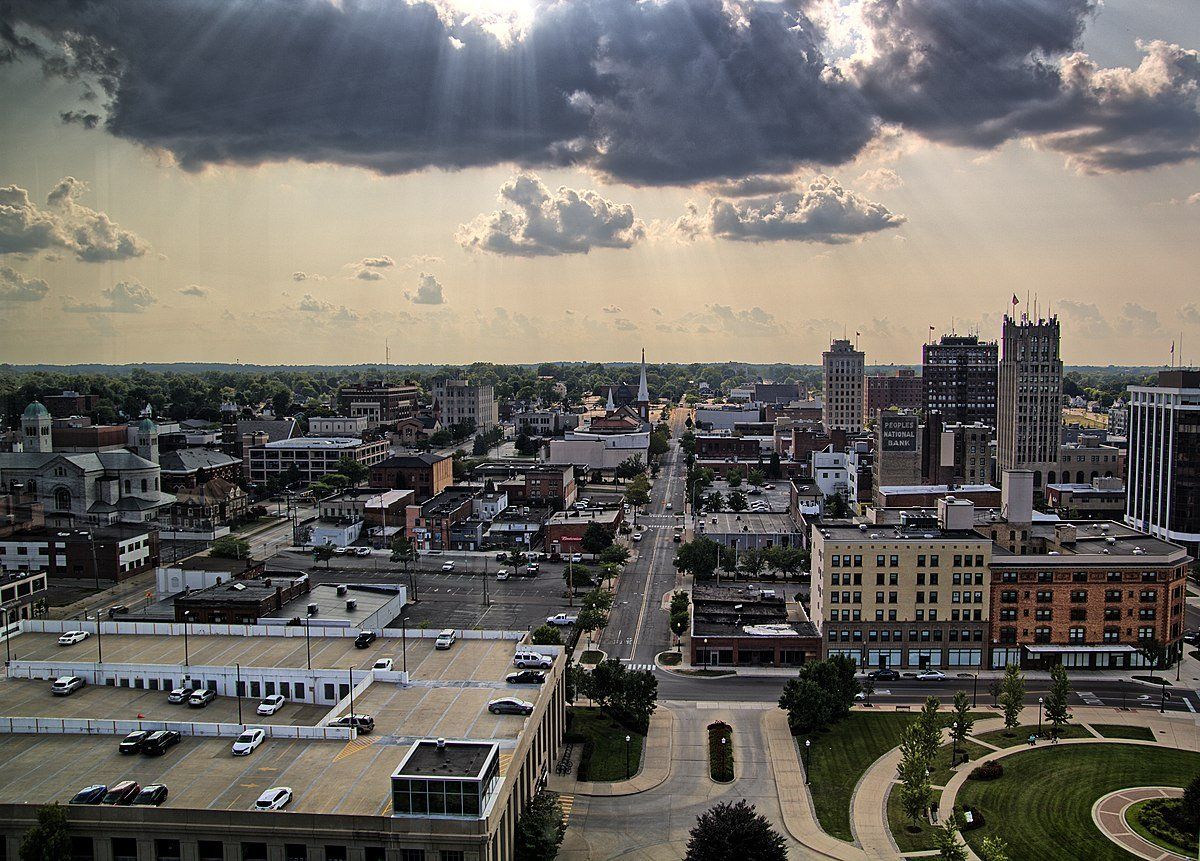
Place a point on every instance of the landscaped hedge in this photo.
(720, 756)
(1161, 816)
(990, 770)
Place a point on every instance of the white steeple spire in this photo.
(610, 406)
(643, 389)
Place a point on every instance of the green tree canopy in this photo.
(50, 839)
(540, 828)
(734, 830)
(230, 547)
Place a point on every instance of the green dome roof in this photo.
(147, 426)
(35, 411)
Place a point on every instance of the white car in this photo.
(576, 558)
(270, 704)
(70, 638)
(383, 665)
(67, 685)
(246, 743)
(667, 506)
(341, 551)
(447, 566)
(362, 551)
(275, 798)
(931, 676)
(561, 619)
(445, 639)
(637, 536)
(502, 574)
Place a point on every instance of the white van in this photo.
(527, 660)
(445, 639)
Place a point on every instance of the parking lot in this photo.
(32, 698)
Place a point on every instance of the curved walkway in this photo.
(655, 764)
(1109, 815)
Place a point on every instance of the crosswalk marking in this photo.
(568, 804)
(353, 746)
(630, 666)
(1090, 698)
(505, 759)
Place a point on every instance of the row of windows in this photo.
(896, 635)
(1075, 635)
(1077, 576)
(126, 849)
(838, 560)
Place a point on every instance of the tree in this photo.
(868, 689)
(697, 557)
(230, 547)
(637, 494)
(630, 467)
(659, 444)
(756, 477)
(753, 561)
(1012, 695)
(540, 828)
(734, 477)
(963, 722)
(590, 619)
(993, 849)
(945, 838)
(680, 614)
(49, 840)
(821, 694)
(737, 501)
(1056, 699)
(994, 691)
(525, 445)
(1153, 651)
(714, 502)
(323, 553)
(836, 506)
(734, 830)
(916, 793)
(354, 471)
(614, 554)
(775, 467)
(546, 635)
(595, 538)
(929, 728)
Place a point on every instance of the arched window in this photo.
(1050, 477)
(1095, 475)
(1079, 477)
(62, 499)
(1037, 478)
(128, 488)
(32, 486)
(145, 485)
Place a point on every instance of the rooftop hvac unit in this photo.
(312, 609)
(341, 589)
(351, 605)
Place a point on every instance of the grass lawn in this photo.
(1118, 730)
(941, 771)
(1042, 806)
(908, 841)
(606, 740)
(1020, 735)
(591, 656)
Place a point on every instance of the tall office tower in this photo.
(1029, 398)
(844, 371)
(1163, 476)
(959, 376)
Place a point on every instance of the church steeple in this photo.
(611, 406)
(643, 389)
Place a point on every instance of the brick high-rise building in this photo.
(1029, 398)
(381, 403)
(958, 376)
(844, 369)
(1163, 481)
(902, 391)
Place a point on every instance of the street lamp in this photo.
(974, 690)
(99, 639)
(404, 644)
(706, 653)
(953, 743)
(187, 614)
(307, 646)
(807, 748)
(7, 645)
(1039, 717)
(628, 739)
(238, 691)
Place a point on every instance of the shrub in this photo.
(585, 761)
(1161, 817)
(720, 756)
(990, 770)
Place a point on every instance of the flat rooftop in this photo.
(315, 442)
(750, 523)
(454, 759)
(447, 698)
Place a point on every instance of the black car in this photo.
(90, 794)
(365, 639)
(157, 743)
(884, 675)
(153, 795)
(133, 742)
(526, 677)
(122, 793)
(1192, 638)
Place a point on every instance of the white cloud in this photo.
(382, 262)
(879, 179)
(124, 297)
(365, 274)
(15, 287)
(611, 309)
(541, 223)
(428, 292)
(63, 223)
(621, 324)
(306, 276)
(325, 310)
(194, 290)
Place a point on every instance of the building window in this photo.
(124, 849)
(295, 852)
(210, 850)
(450, 855)
(1041, 635)
(335, 853)
(412, 855)
(82, 849)
(166, 850)
(254, 852)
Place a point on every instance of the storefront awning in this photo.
(1096, 650)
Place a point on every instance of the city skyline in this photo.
(146, 220)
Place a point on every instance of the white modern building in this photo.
(314, 457)
(459, 401)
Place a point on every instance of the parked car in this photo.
(384, 665)
(445, 639)
(447, 566)
(365, 724)
(152, 795)
(883, 675)
(180, 695)
(561, 619)
(66, 685)
(270, 704)
(362, 551)
(637, 536)
(501, 556)
(510, 706)
(132, 743)
(502, 574)
(341, 551)
(576, 558)
(527, 659)
(70, 638)
(677, 537)
(122, 793)
(532, 568)
(113, 612)
(667, 506)
(526, 677)
(199, 699)
(364, 639)
(93, 794)
(246, 743)
(931, 675)
(275, 798)
(158, 743)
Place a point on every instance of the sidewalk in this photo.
(655, 766)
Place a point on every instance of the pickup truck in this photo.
(561, 619)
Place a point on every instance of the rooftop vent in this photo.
(441, 744)
(341, 589)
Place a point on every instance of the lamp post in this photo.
(953, 743)
(99, 640)
(404, 645)
(628, 739)
(7, 646)
(975, 690)
(187, 614)
(352, 698)
(807, 749)
(706, 653)
(238, 690)
(1040, 717)
(307, 645)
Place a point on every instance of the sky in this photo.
(318, 182)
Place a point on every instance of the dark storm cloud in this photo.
(651, 93)
(665, 92)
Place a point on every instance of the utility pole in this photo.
(486, 602)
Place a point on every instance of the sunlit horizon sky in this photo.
(174, 230)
